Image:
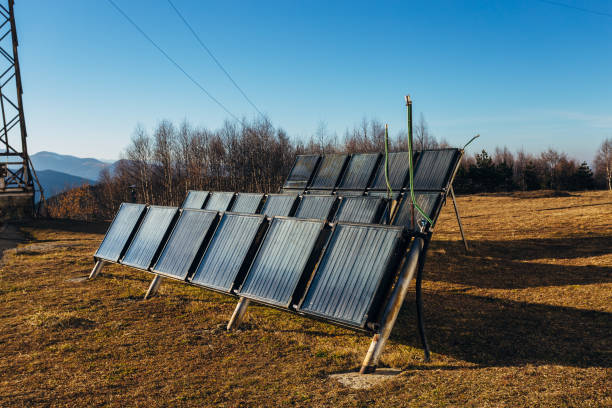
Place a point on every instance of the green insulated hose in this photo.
(389, 189)
(410, 164)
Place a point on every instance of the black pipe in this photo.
(419, 302)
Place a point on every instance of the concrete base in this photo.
(16, 204)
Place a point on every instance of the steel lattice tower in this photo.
(17, 177)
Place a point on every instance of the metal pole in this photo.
(153, 287)
(419, 303)
(467, 249)
(379, 340)
(238, 315)
(96, 269)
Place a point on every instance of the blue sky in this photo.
(521, 73)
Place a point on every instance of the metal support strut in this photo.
(153, 287)
(239, 312)
(467, 249)
(96, 269)
(393, 307)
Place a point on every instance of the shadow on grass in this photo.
(69, 225)
(499, 332)
(511, 264)
(495, 332)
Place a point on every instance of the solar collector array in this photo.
(341, 274)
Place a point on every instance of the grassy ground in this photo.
(525, 319)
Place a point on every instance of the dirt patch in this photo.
(10, 237)
(358, 381)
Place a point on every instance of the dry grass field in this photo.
(523, 320)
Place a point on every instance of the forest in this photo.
(160, 167)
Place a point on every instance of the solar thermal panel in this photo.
(195, 199)
(219, 201)
(286, 253)
(149, 237)
(229, 252)
(354, 274)
(121, 230)
(279, 205)
(181, 250)
(301, 172)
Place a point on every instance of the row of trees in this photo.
(505, 171)
(159, 168)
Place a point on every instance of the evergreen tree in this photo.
(584, 177)
(532, 181)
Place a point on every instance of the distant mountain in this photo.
(54, 182)
(81, 168)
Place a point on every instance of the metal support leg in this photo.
(96, 269)
(239, 312)
(419, 305)
(153, 287)
(393, 307)
(467, 249)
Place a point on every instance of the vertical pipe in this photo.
(379, 339)
(411, 158)
(419, 303)
(96, 269)
(239, 312)
(153, 287)
(467, 249)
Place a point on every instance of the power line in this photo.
(176, 64)
(197, 37)
(569, 6)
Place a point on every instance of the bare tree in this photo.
(423, 139)
(551, 159)
(603, 162)
(140, 155)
